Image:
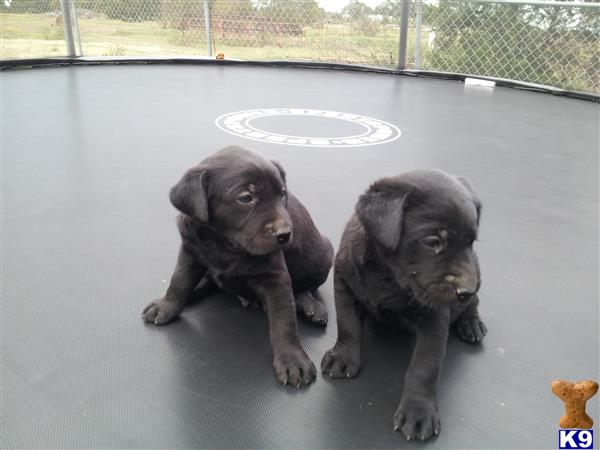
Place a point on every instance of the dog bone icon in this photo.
(574, 395)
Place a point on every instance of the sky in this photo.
(337, 5)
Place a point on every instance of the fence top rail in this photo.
(538, 3)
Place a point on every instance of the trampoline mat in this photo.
(89, 238)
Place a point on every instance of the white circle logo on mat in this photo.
(375, 131)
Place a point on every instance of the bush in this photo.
(365, 26)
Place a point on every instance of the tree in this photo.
(301, 12)
(27, 6)
(390, 10)
(356, 10)
(229, 9)
(129, 10)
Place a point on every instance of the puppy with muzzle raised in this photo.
(244, 232)
(406, 257)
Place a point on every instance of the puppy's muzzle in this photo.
(282, 231)
(465, 286)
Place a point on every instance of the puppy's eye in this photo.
(244, 198)
(283, 193)
(433, 242)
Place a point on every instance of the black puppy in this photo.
(407, 257)
(243, 231)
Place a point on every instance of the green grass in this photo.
(31, 35)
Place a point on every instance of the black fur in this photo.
(407, 257)
(242, 231)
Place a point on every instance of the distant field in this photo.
(35, 35)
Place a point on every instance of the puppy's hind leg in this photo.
(205, 288)
(468, 326)
(315, 274)
(186, 276)
(311, 308)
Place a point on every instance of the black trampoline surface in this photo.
(89, 238)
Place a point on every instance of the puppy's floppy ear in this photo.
(190, 195)
(474, 196)
(381, 213)
(281, 171)
(282, 174)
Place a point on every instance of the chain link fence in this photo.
(548, 42)
(539, 42)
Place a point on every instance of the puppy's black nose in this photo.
(464, 294)
(283, 236)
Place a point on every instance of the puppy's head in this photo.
(240, 195)
(424, 224)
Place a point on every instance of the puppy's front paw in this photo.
(470, 329)
(341, 362)
(293, 366)
(417, 419)
(161, 311)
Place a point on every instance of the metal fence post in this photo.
(75, 22)
(207, 27)
(418, 19)
(65, 6)
(403, 34)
